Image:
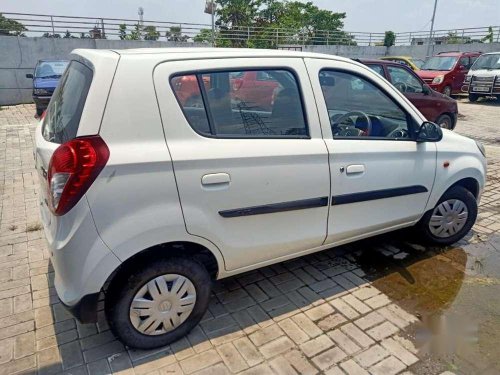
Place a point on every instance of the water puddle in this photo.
(455, 294)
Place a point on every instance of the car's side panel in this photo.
(260, 172)
(134, 201)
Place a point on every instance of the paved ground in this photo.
(381, 306)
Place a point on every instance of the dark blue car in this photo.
(45, 80)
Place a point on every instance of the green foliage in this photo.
(253, 23)
(453, 38)
(489, 37)
(49, 35)
(67, 35)
(150, 33)
(122, 31)
(136, 33)
(204, 36)
(11, 27)
(175, 35)
(389, 38)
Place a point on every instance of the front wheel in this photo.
(447, 91)
(159, 303)
(451, 219)
(473, 98)
(445, 122)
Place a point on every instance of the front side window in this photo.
(66, 106)
(404, 81)
(359, 109)
(218, 104)
(377, 69)
(465, 62)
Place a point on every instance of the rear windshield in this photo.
(66, 106)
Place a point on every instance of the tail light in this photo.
(73, 168)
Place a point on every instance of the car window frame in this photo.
(198, 74)
(412, 123)
(370, 65)
(409, 71)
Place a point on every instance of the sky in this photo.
(362, 15)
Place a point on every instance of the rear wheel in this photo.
(447, 90)
(159, 303)
(473, 98)
(451, 219)
(445, 122)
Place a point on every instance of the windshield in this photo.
(487, 62)
(418, 63)
(440, 63)
(50, 69)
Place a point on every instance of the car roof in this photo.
(397, 57)
(458, 53)
(163, 54)
(380, 62)
(53, 60)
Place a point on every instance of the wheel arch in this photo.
(188, 249)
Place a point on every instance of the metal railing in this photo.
(112, 28)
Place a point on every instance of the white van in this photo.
(483, 78)
(147, 197)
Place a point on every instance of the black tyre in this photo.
(159, 303)
(445, 122)
(39, 111)
(447, 91)
(451, 219)
(473, 98)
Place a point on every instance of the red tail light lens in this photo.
(73, 168)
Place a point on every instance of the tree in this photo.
(67, 35)
(11, 27)
(136, 33)
(489, 37)
(175, 35)
(204, 36)
(151, 33)
(122, 31)
(389, 38)
(48, 35)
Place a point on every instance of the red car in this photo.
(446, 71)
(436, 107)
(255, 88)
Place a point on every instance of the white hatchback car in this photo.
(147, 197)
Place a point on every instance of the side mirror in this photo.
(29, 75)
(462, 67)
(426, 90)
(429, 132)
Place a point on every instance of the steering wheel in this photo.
(398, 133)
(338, 121)
(401, 86)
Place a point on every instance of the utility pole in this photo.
(210, 8)
(432, 29)
(140, 12)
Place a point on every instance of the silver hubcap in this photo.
(162, 304)
(445, 125)
(447, 91)
(448, 218)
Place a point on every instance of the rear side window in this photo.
(242, 104)
(66, 106)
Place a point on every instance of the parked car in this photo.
(45, 79)
(252, 89)
(436, 107)
(446, 71)
(410, 62)
(148, 200)
(483, 78)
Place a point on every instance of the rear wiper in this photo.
(52, 76)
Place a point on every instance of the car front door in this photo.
(381, 177)
(460, 72)
(254, 182)
(413, 88)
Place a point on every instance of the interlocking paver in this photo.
(319, 313)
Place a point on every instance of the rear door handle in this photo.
(355, 169)
(216, 179)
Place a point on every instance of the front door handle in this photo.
(355, 169)
(216, 179)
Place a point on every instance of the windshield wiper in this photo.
(52, 76)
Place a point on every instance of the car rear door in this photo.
(255, 183)
(381, 177)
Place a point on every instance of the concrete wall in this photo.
(18, 56)
(415, 51)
